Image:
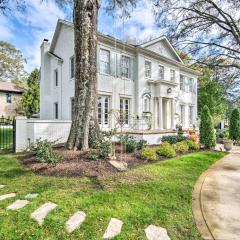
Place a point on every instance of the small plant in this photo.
(141, 144)
(103, 149)
(180, 131)
(181, 147)
(192, 145)
(173, 139)
(149, 154)
(132, 144)
(44, 152)
(166, 150)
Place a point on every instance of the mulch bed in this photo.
(77, 163)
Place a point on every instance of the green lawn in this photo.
(6, 139)
(158, 194)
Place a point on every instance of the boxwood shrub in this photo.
(173, 139)
(166, 150)
(193, 145)
(181, 147)
(149, 153)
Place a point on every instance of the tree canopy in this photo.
(11, 63)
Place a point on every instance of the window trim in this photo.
(126, 123)
(183, 84)
(70, 68)
(182, 116)
(103, 110)
(109, 61)
(174, 78)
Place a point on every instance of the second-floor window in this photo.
(182, 82)
(104, 61)
(8, 97)
(148, 69)
(161, 72)
(72, 70)
(125, 66)
(56, 77)
(172, 75)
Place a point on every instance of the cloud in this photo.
(5, 28)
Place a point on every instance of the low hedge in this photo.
(173, 139)
(181, 147)
(149, 153)
(166, 150)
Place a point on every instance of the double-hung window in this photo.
(172, 75)
(56, 110)
(124, 110)
(8, 97)
(182, 83)
(72, 70)
(104, 61)
(148, 69)
(182, 115)
(56, 77)
(161, 72)
(103, 110)
(125, 66)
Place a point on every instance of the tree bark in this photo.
(84, 123)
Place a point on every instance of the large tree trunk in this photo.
(84, 123)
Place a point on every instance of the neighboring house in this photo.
(10, 94)
(147, 79)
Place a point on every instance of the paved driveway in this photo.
(216, 199)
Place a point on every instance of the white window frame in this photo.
(128, 67)
(71, 73)
(103, 114)
(161, 74)
(148, 70)
(125, 110)
(172, 76)
(182, 82)
(191, 84)
(56, 110)
(103, 61)
(146, 104)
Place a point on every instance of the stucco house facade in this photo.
(140, 80)
(10, 95)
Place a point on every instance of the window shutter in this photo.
(113, 64)
(118, 65)
(133, 69)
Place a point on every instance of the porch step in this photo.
(17, 205)
(42, 212)
(75, 221)
(9, 195)
(114, 228)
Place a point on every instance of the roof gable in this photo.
(162, 46)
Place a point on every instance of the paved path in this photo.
(216, 199)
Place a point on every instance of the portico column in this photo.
(172, 113)
(160, 124)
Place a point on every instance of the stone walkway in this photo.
(216, 199)
(114, 227)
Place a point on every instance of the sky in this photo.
(27, 29)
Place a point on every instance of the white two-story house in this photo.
(142, 80)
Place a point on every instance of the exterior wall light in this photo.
(169, 90)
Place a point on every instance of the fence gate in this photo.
(7, 135)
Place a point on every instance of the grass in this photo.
(158, 194)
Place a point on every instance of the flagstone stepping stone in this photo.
(156, 233)
(114, 228)
(9, 195)
(120, 166)
(75, 221)
(31, 195)
(42, 212)
(2, 186)
(18, 204)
